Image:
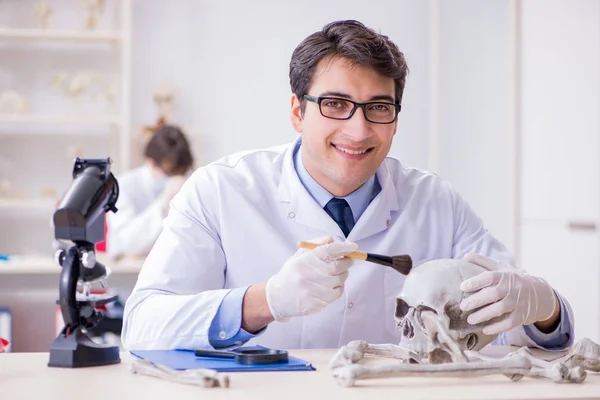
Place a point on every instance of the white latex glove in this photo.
(504, 290)
(309, 280)
(172, 187)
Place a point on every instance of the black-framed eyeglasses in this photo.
(377, 112)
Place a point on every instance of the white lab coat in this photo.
(134, 228)
(236, 221)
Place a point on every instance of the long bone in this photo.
(555, 371)
(357, 349)
(206, 378)
(348, 375)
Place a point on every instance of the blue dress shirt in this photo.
(226, 331)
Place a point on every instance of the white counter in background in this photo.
(23, 265)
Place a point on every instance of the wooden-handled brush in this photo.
(402, 264)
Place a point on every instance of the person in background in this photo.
(145, 193)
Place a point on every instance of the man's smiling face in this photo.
(341, 155)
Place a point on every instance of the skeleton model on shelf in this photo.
(43, 11)
(437, 340)
(163, 98)
(93, 13)
(88, 85)
(7, 190)
(12, 102)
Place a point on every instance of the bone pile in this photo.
(437, 341)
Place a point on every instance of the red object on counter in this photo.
(3, 344)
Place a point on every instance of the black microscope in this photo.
(79, 219)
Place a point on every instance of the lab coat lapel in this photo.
(301, 207)
(378, 215)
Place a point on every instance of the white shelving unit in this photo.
(36, 265)
(57, 119)
(38, 145)
(119, 122)
(66, 35)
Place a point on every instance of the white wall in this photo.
(230, 62)
(475, 105)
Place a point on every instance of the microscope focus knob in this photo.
(88, 259)
(59, 256)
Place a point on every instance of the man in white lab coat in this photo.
(226, 270)
(145, 193)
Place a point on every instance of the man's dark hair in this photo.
(169, 149)
(354, 42)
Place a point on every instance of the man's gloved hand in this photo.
(309, 280)
(173, 185)
(504, 290)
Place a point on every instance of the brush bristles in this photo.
(402, 264)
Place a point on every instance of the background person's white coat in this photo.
(134, 228)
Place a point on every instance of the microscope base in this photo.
(78, 350)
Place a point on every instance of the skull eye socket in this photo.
(421, 308)
(401, 308)
(471, 340)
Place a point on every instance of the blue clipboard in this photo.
(186, 359)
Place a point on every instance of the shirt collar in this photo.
(358, 200)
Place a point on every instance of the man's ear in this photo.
(296, 114)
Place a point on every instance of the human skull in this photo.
(434, 288)
(164, 98)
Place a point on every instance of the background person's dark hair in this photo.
(170, 150)
(350, 40)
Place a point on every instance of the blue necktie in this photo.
(340, 211)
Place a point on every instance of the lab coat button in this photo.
(350, 305)
(388, 222)
(222, 335)
(291, 215)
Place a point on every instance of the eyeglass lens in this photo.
(374, 112)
